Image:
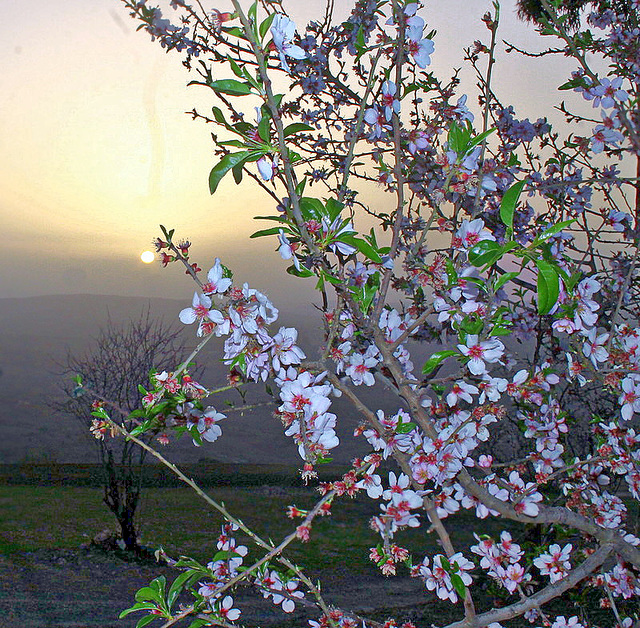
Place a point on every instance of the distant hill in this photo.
(37, 332)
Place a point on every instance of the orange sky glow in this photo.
(96, 150)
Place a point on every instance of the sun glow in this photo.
(147, 257)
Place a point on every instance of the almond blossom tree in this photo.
(496, 231)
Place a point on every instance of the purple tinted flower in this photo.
(283, 30)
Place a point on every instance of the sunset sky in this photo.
(96, 151)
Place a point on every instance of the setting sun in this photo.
(147, 257)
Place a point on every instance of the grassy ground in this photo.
(177, 520)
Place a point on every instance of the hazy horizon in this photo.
(96, 150)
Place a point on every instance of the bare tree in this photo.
(121, 357)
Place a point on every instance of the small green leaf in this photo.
(235, 68)
(334, 208)
(234, 30)
(252, 13)
(142, 428)
(218, 115)
(145, 621)
(190, 563)
(296, 127)
(230, 87)
(509, 202)
(486, 252)
(266, 232)
(266, 25)
(177, 586)
(550, 231)
(148, 594)
(312, 208)
(436, 359)
(237, 172)
(472, 325)
(264, 127)
(363, 247)
(159, 585)
(548, 286)
(500, 330)
(303, 272)
(480, 138)
(140, 606)
(222, 168)
(503, 279)
(458, 138)
(458, 585)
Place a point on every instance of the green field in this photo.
(183, 524)
(176, 519)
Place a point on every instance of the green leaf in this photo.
(237, 172)
(222, 168)
(573, 83)
(458, 138)
(145, 621)
(486, 252)
(235, 68)
(230, 87)
(280, 219)
(500, 330)
(503, 279)
(266, 25)
(252, 13)
(363, 247)
(548, 286)
(312, 208)
(303, 272)
(218, 115)
(159, 585)
(234, 30)
(177, 586)
(509, 202)
(405, 428)
(140, 606)
(334, 208)
(142, 428)
(148, 594)
(472, 325)
(266, 232)
(369, 291)
(190, 563)
(550, 231)
(514, 160)
(458, 585)
(436, 359)
(479, 138)
(296, 127)
(264, 126)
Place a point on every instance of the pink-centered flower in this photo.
(217, 283)
(388, 99)
(420, 49)
(480, 352)
(630, 397)
(283, 31)
(201, 311)
(226, 610)
(554, 564)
